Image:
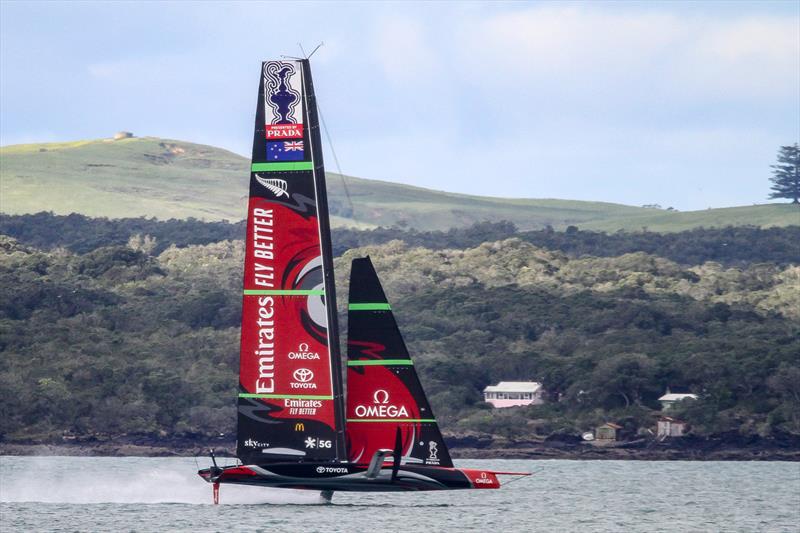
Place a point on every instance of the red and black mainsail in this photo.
(290, 393)
(383, 390)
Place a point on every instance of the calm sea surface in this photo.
(147, 494)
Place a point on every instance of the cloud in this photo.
(739, 57)
(404, 50)
(548, 41)
(755, 56)
(160, 69)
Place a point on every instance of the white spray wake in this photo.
(85, 480)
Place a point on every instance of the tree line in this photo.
(732, 246)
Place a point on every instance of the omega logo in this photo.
(380, 397)
(380, 407)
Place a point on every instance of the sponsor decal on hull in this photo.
(331, 470)
(482, 479)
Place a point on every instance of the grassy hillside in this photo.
(764, 216)
(125, 178)
(175, 179)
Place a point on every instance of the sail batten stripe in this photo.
(380, 362)
(370, 307)
(282, 166)
(284, 292)
(283, 396)
(395, 420)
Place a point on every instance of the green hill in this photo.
(175, 179)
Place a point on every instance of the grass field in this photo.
(175, 179)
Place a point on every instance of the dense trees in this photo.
(82, 234)
(739, 246)
(126, 339)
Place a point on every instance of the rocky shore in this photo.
(723, 447)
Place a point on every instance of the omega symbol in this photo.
(380, 397)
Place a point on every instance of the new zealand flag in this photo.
(285, 151)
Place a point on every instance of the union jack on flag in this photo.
(293, 146)
(285, 151)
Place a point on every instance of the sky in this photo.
(682, 104)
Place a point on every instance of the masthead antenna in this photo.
(308, 56)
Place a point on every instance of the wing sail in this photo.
(290, 402)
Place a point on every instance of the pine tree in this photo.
(786, 174)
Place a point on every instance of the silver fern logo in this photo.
(275, 186)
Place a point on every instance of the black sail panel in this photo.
(290, 393)
(383, 390)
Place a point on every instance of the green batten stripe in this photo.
(282, 166)
(380, 362)
(284, 292)
(284, 396)
(386, 420)
(370, 307)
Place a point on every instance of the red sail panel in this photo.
(288, 391)
(383, 390)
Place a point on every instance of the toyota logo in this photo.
(303, 375)
(380, 397)
(320, 469)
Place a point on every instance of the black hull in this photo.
(351, 477)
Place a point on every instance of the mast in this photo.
(327, 260)
(290, 388)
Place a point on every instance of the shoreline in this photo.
(538, 451)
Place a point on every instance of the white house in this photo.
(511, 393)
(670, 399)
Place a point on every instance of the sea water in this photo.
(157, 494)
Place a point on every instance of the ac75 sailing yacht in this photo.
(294, 428)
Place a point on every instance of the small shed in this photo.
(607, 431)
(122, 135)
(670, 427)
(669, 400)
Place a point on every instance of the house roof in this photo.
(673, 397)
(514, 386)
(670, 419)
(611, 425)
